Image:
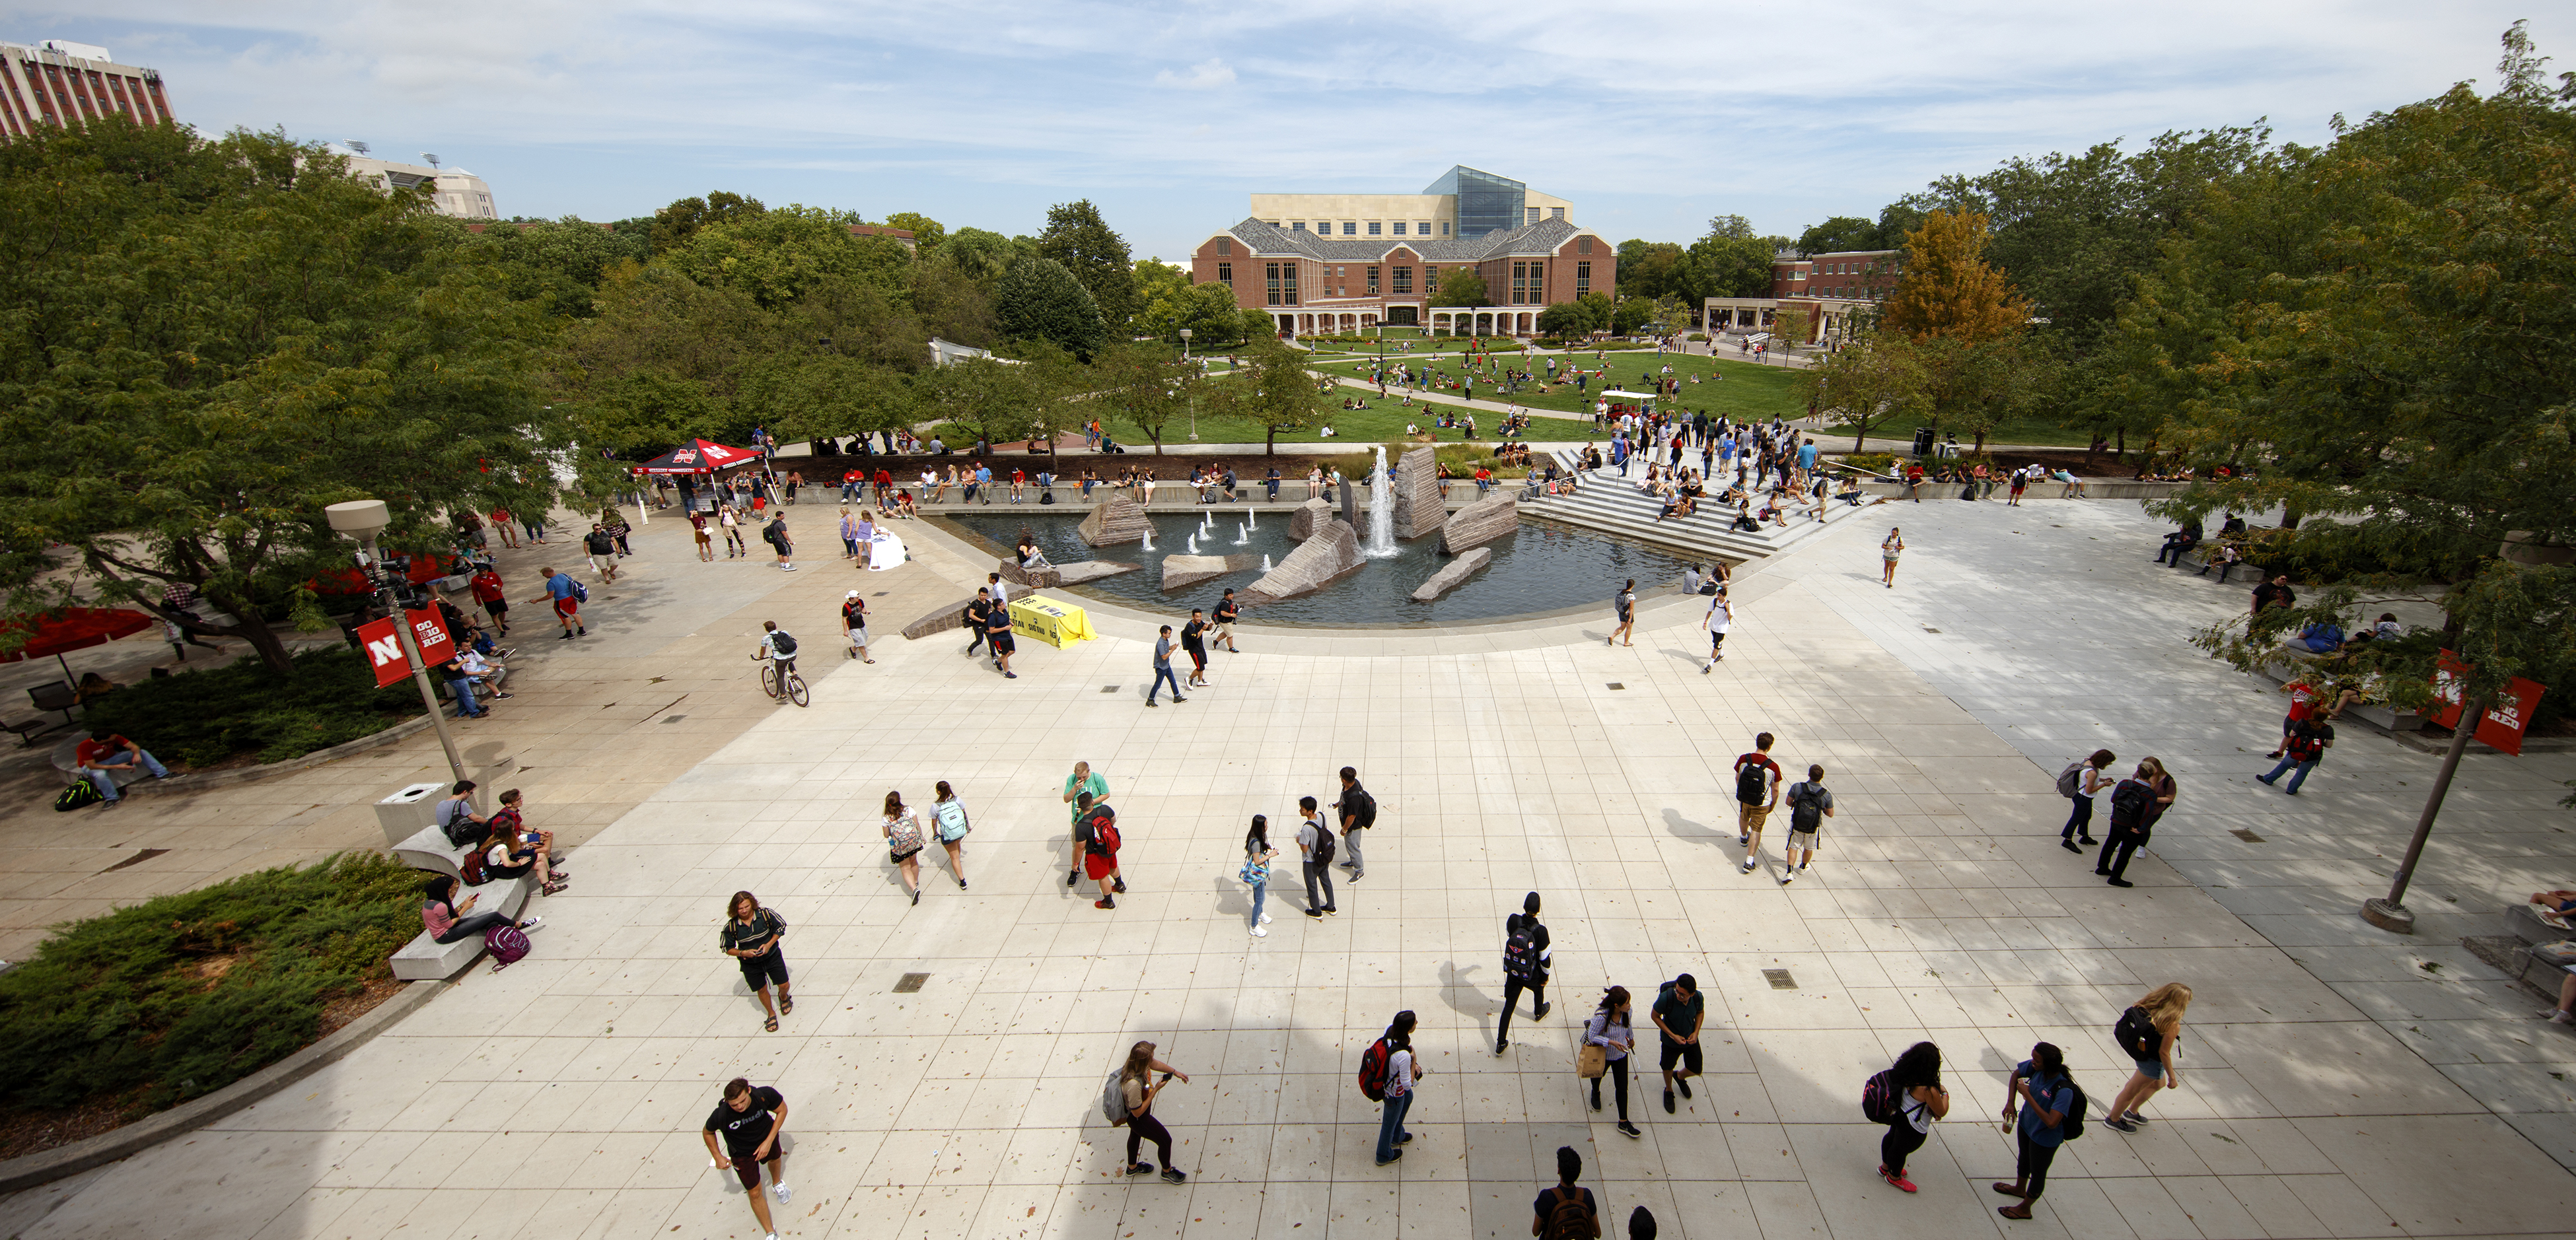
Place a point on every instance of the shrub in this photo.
(202, 718)
(184, 994)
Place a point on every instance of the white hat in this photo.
(854, 594)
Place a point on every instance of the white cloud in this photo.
(1206, 75)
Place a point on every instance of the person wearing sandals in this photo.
(1141, 1124)
(1920, 1100)
(903, 842)
(2147, 1033)
(953, 824)
(1610, 1030)
(751, 936)
(2046, 1093)
(507, 820)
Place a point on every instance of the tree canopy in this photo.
(1084, 244)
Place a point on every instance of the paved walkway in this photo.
(2335, 1084)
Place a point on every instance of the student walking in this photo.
(1610, 1030)
(1315, 854)
(2080, 782)
(903, 842)
(949, 814)
(2047, 1095)
(1095, 848)
(1358, 811)
(1720, 618)
(997, 635)
(752, 1121)
(1757, 791)
(1679, 1009)
(1915, 1083)
(2306, 745)
(1892, 547)
(1139, 1095)
(1525, 962)
(1402, 1072)
(2131, 798)
(1623, 609)
(565, 594)
(1194, 640)
(2147, 1033)
(775, 534)
(1257, 853)
(1163, 669)
(1564, 1211)
(979, 615)
(854, 625)
(1226, 609)
(1809, 806)
(751, 936)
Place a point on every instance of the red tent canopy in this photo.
(698, 457)
(425, 568)
(73, 628)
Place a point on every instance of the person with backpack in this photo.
(2307, 743)
(1566, 1212)
(450, 922)
(1095, 847)
(2051, 1111)
(2080, 782)
(1397, 1076)
(1257, 853)
(1135, 1096)
(1908, 1097)
(2131, 799)
(1623, 609)
(1315, 855)
(2147, 1033)
(751, 936)
(949, 815)
(775, 534)
(1611, 1029)
(752, 1121)
(1757, 791)
(1525, 963)
(455, 816)
(854, 625)
(1679, 1009)
(997, 637)
(903, 842)
(1358, 812)
(1809, 806)
(567, 596)
(1194, 641)
(1082, 780)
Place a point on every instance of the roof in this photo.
(1543, 237)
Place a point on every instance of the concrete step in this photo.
(1614, 505)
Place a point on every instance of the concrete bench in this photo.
(425, 959)
(429, 850)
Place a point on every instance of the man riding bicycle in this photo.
(779, 647)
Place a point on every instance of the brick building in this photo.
(1833, 289)
(59, 83)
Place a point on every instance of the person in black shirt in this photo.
(1529, 973)
(997, 634)
(1358, 812)
(978, 614)
(1226, 611)
(1679, 1009)
(752, 1121)
(751, 936)
(1194, 640)
(1562, 1197)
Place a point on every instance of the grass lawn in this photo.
(1749, 391)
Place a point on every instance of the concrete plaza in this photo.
(2338, 1081)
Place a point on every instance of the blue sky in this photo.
(1649, 117)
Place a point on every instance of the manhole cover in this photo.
(2247, 836)
(1779, 979)
(1109, 688)
(911, 983)
(1616, 685)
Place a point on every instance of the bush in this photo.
(184, 994)
(1879, 462)
(1461, 458)
(202, 718)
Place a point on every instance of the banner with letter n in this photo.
(383, 645)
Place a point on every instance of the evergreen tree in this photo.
(1037, 299)
(1084, 244)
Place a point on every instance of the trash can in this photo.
(409, 812)
(1922, 441)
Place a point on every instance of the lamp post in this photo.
(363, 519)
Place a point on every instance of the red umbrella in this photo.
(72, 628)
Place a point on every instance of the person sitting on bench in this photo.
(2179, 543)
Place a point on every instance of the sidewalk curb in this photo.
(195, 781)
(143, 1134)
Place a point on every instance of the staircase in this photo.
(1614, 505)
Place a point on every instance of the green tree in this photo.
(1148, 386)
(777, 256)
(207, 341)
(1274, 390)
(1461, 286)
(1039, 300)
(560, 263)
(952, 305)
(926, 232)
(1564, 319)
(1842, 232)
(1872, 380)
(1097, 256)
(675, 224)
(990, 398)
(982, 255)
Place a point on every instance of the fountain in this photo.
(1149, 538)
(1381, 534)
(1252, 517)
(1194, 544)
(1265, 563)
(1242, 534)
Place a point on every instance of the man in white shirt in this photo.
(1720, 617)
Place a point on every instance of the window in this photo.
(1582, 277)
(1272, 287)
(1225, 245)
(1399, 228)
(1520, 284)
(1444, 228)
(1373, 227)
(1288, 282)
(1297, 226)
(1274, 224)
(1556, 213)
(1349, 228)
(1422, 229)
(1430, 280)
(1403, 278)
(1372, 277)
(1225, 274)
(1583, 245)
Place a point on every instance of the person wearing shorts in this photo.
(559, 589)
(1227, 611)
(1808, 795)
(751, 936)
(486, 585)
(1097, 861)
(997, 634)
(854, 625)
(1720, 618)
(706, 541)
(752, 1121)
(1679, 1009)
(1751, 812)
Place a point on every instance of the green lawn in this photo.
(1748, 390)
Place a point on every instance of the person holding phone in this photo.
(1141, 1124)
(450, 922)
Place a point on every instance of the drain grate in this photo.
(1779, 979)
(2247, 836)
(911, 983)
(137, 859)
(1616, 685)
(1109, 688)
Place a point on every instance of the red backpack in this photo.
(1373, 1071)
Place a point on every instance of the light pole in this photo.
(363, 519)
(1194, 388)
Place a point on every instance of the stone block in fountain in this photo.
(1115, 521)
(1310, 516)
(1419, 508)
(1453, 576)
(1479, 523)
(1332, 554)
(1183, 571)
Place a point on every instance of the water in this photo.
(1193, 544)
(1539, 569)
(1381, 517)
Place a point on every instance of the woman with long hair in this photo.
(1892, 547)
(903, 842)
(1134, 1083)
(2157, 1029)
(751, 935)
(1919, 1101)
(1402, 1070)
(950, 813)
(1257, 853)
(2046, 1093)
(1610, 1029)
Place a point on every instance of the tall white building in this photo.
(452, 191)
(60, 83)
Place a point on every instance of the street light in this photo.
(363, 519)
(1194, 391)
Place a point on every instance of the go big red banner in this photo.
(2506, 718)
(384, 646)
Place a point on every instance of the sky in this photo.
(1650, 117)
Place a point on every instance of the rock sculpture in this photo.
(1419, 505)
(1455, 575)
(1115, 521)
(1332, 554)
(1480, 523)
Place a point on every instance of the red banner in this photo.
(2506, 718)
(384, 646)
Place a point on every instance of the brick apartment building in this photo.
(59, 83)
(1834, 289)
(1315, 272)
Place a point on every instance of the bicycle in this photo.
(779, 680)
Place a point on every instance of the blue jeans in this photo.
(1260, 893)
(463, 687)
(1162, 676)
(105, 781)
(1390, 1124)
(2295, 780)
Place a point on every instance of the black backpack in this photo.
(1749, 783)
(1569, 1218)
(2137, 1035)
(783, 643)
(2129, 803)
(1520, 952)
(1323, 844)
(1363, 808)
(1806, 809)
